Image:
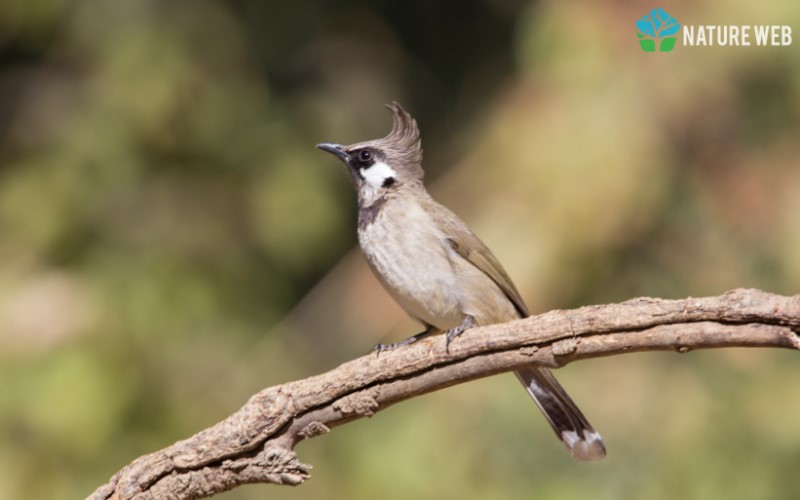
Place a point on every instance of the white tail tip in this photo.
(587, 447)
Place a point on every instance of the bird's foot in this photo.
(467, 323)
(410, 340)
(379, 348)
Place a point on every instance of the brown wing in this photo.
(469, 246)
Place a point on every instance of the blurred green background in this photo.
(171, 241)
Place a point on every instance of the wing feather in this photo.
(471, 248)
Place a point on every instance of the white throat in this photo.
(375, 176)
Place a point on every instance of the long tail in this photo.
(569, 424)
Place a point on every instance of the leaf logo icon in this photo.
(655, 27)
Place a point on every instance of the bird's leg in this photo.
(410, 340)
(467, 323)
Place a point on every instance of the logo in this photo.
(657, 29)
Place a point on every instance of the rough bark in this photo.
(255, 444)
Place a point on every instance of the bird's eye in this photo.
(365, 155)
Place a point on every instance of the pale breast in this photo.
(408, 254)
(416, 263)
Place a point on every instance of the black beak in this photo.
(335, 149)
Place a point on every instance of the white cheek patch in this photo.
(377, 174)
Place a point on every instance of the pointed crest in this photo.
(404, 136)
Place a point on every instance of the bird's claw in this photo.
(379, 348)
(410, 340)
(454, 332)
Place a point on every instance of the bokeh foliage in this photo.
(170, 241)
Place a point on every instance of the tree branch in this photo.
(255, 444)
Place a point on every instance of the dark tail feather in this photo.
(567, 421)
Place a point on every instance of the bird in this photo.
(438, 270)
